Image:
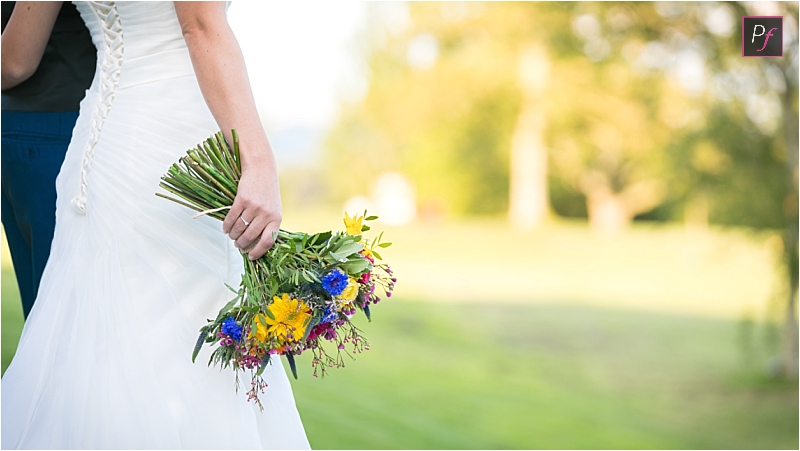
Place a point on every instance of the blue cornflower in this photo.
(230, 328)
(335, 282)
(329, 314)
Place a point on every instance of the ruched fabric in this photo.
(104, 361)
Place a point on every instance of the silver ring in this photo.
(245, 222)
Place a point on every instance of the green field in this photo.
(539, 371)
(482, 376)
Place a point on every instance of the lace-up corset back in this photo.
(132, 40)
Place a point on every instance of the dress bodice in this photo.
(138, 42)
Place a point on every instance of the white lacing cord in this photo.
(110, 66)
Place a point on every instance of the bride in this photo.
(105, 356)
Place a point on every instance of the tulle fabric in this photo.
(104, 361)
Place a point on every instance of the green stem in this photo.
(226, 150)
(211, 179)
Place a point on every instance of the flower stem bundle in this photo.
(300, 296)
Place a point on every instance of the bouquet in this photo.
(300, 296)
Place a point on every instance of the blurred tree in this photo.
(720, 130)
(606, 132)
(647, 109)
(462, 100)
(735, 149)
(608, 144)
(449, 99)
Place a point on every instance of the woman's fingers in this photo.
(266, 242)
(254, 237)
(232, 218)
(255, 213)
(250, 233)
(238, 229)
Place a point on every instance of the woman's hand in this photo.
(256, 212)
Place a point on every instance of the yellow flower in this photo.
(290, 316)
(353, 224)
(367, 252)
(261, 331)
(350, 292)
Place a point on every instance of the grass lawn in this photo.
(534, 371)
(546, 376)
(11, 311)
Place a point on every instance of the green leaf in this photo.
(365, 228)
(384, 245)
(264, 363)
(350, 248)
(336, 257)
(370, 218)
(356, 266)
(314, 321)
(292, 365)
(227, 308)
(376, 254)
(321, 238)
(268, 313)
(199, 344)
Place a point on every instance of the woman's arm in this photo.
(24, 40)
(221, 72)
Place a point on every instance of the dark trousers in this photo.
(33, 149)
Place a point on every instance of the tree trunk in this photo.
(608, 214)
(528, 190)
(528, 205)
(790, 362)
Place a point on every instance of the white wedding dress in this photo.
(105, 357)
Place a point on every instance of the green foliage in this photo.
(448, 126)
(615, 117)
(743, 172)
(565, 199)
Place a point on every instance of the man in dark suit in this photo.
(40, 105)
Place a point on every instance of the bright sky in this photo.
(300, 56)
